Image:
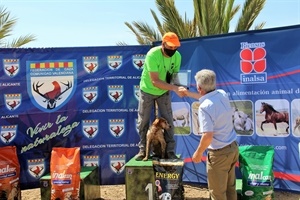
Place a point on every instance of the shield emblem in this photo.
(116, 127)
(138, 61)
(51, 84)
(117, 163)
(115, 92)
(136, 91)
(90, 94)
(90, 64)
(36, 167)
(12, 101)
(90, 128)
(11, 67)
(114, 62)
(8, 133)
(90, 160)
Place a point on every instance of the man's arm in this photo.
(188, 93)
(204, 143)
(166, 86)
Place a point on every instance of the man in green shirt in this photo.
(154, 87)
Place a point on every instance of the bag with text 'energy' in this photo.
(168, 179)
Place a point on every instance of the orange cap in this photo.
(171, 39)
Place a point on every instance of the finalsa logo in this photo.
(253, 63)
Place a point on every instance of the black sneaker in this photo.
(140, 156)
(171, 155)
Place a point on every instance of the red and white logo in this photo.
(253, 60)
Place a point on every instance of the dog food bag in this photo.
(9, 173)
(65, 173)
(256, 165)
(168, 179)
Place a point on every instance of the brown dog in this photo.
(155, 138)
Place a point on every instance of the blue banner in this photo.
(87, 97)
(71, 97)
(260, 71)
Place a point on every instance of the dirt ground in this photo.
(118, 192)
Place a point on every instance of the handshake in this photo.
(182, 91)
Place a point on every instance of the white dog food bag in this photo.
(256, 165)
(9, 173)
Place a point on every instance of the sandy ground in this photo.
(118, 192)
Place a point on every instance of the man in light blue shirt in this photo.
(215, 114)
(218, 136)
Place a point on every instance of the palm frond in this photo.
(139, 38)
(229, 12)
(211, 17)
(250, 12)
(7, 23)
(259, 26)
(173, 21)
(158, 24)
(147, 31)
(18, 42)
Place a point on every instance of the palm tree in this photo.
(211, 17)
(6, 26)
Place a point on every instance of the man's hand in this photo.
(197, 157)
(187, 93)
(181, 91)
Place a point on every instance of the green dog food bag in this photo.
(256, 166)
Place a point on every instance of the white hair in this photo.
(206, 80)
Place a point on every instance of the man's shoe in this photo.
(171, 155)
(140, 156)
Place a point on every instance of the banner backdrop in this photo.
(71, 97)
(87, 97)
(260, 71)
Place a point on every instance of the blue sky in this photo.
(82, 23)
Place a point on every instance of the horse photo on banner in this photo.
(272, 118)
